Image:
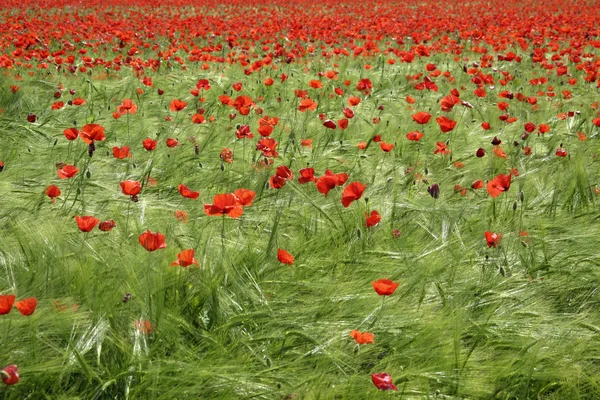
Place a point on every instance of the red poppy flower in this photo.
(143, 326)
(421, 117)
(478, 184)
(71, 133)
(131, 188)
(149, 144)
(282, 174)
(127, 107)
(185, 259)
(186, 192)
(445, 123)
(226, 155)
(307, 175)
(265, 130)
(383, 381)
(177, 105)
(267, 146)
(86, 223)
(499, 184)
(172, 142)
(52, 191)
(245, 197)
(440, 148)
(6, 303)
(596, 122)
(414, 136)
(374, 219)
(353, 191)
(92, 132)
(107, 225)
(181, 216)
(561, 153)
(224, 204)
(544, 128)
(68, 171)
(362, 338)
(152, 241)
(10, 374)
(307, 104)
(492, 239)
(121, 152)
(325, 183)
(486, 125)
(285, 257)
(385, 287)
(386, 147)
(27, 306)
(78, 101)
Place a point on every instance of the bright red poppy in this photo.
(177, 105)
(285, 257)
(492, 239)
(414, 136)
(187, 193)
(121, 152)
(245, 197)
(149, 144)
(224, 204)
(362, 337)
(386, 147)
(385, 287)
(421, 117)
(282, 175)
(352, 192)
(499, 184)
(185, 259)
(71, 133)
(152, 241)
(307, 175)
(53, 192)
(86, 223)
(68, 171)
(6, 303)
(445, 123)
(373, 219)
(92, 132)
(10, 374)
(172, 142)
(130, 188)
(127, 107)
(383, 381)
(27, 306)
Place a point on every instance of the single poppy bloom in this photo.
(121, 152)
(265, 130)
(268, 147)
(480, 152)
(86, 223)
(68, 171)
(185, 259)
(374, 219)
(143, 326)
(581, 136)
(440, 148)
(478, 184)
(383, 381)
(529, 127)
(445, 123)
(325, 183)
(226, 155)
(306, 143)
(106, 226)
(486, 126)
(181, 216)
(177, 105)
(361, 145)
(149, 144)
(285, 257)
(187, 193)
(127, 107)
(131, 188)
(245, 197)
(492, 239)
(269, 81)
(53, 192)
(172, 142)
(92, 132)
(377, 138)
(31, 118)
(386, 147)
(421, 117)
(385, 287)
(10, 374)
(329, 124)
(152, 241)
(348, 113)
(71, 133)
(362, 338)
(307, 175)
(6, 303)
(561, 153)
(414, 136)
(307, 104)
(27, 306)
(434, 190)
(544, 128)
(352, 192)
(499, 184)
(224, 204)
(596, 122)
(78, 101)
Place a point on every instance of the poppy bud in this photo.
(480, 152)
(134, 198)
(10, 374)
(72, 91)
(516, 144)
(521, 196)
(88, 174)
(426, 171)
(70, 102)
(57, 94)
(515, 206)
(127, 297)
(434, 190)
(524, 136)
(222, 167)
(496, 141)
(31, 118)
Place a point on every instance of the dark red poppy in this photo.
(10, 374)
(152, 241)
(187, 193)
(68, 171)
(185, 259)
(107, 225)
(245, 197)
(285, 257)
(383, 381)
(86, 223)
(352, 192)
(224, 204)
(385, 287)
(329, 124)
(499, 184)
(27, 306)
(53, 192)
(6, 303)
(149, 144)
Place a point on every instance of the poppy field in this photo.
(277, 200)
